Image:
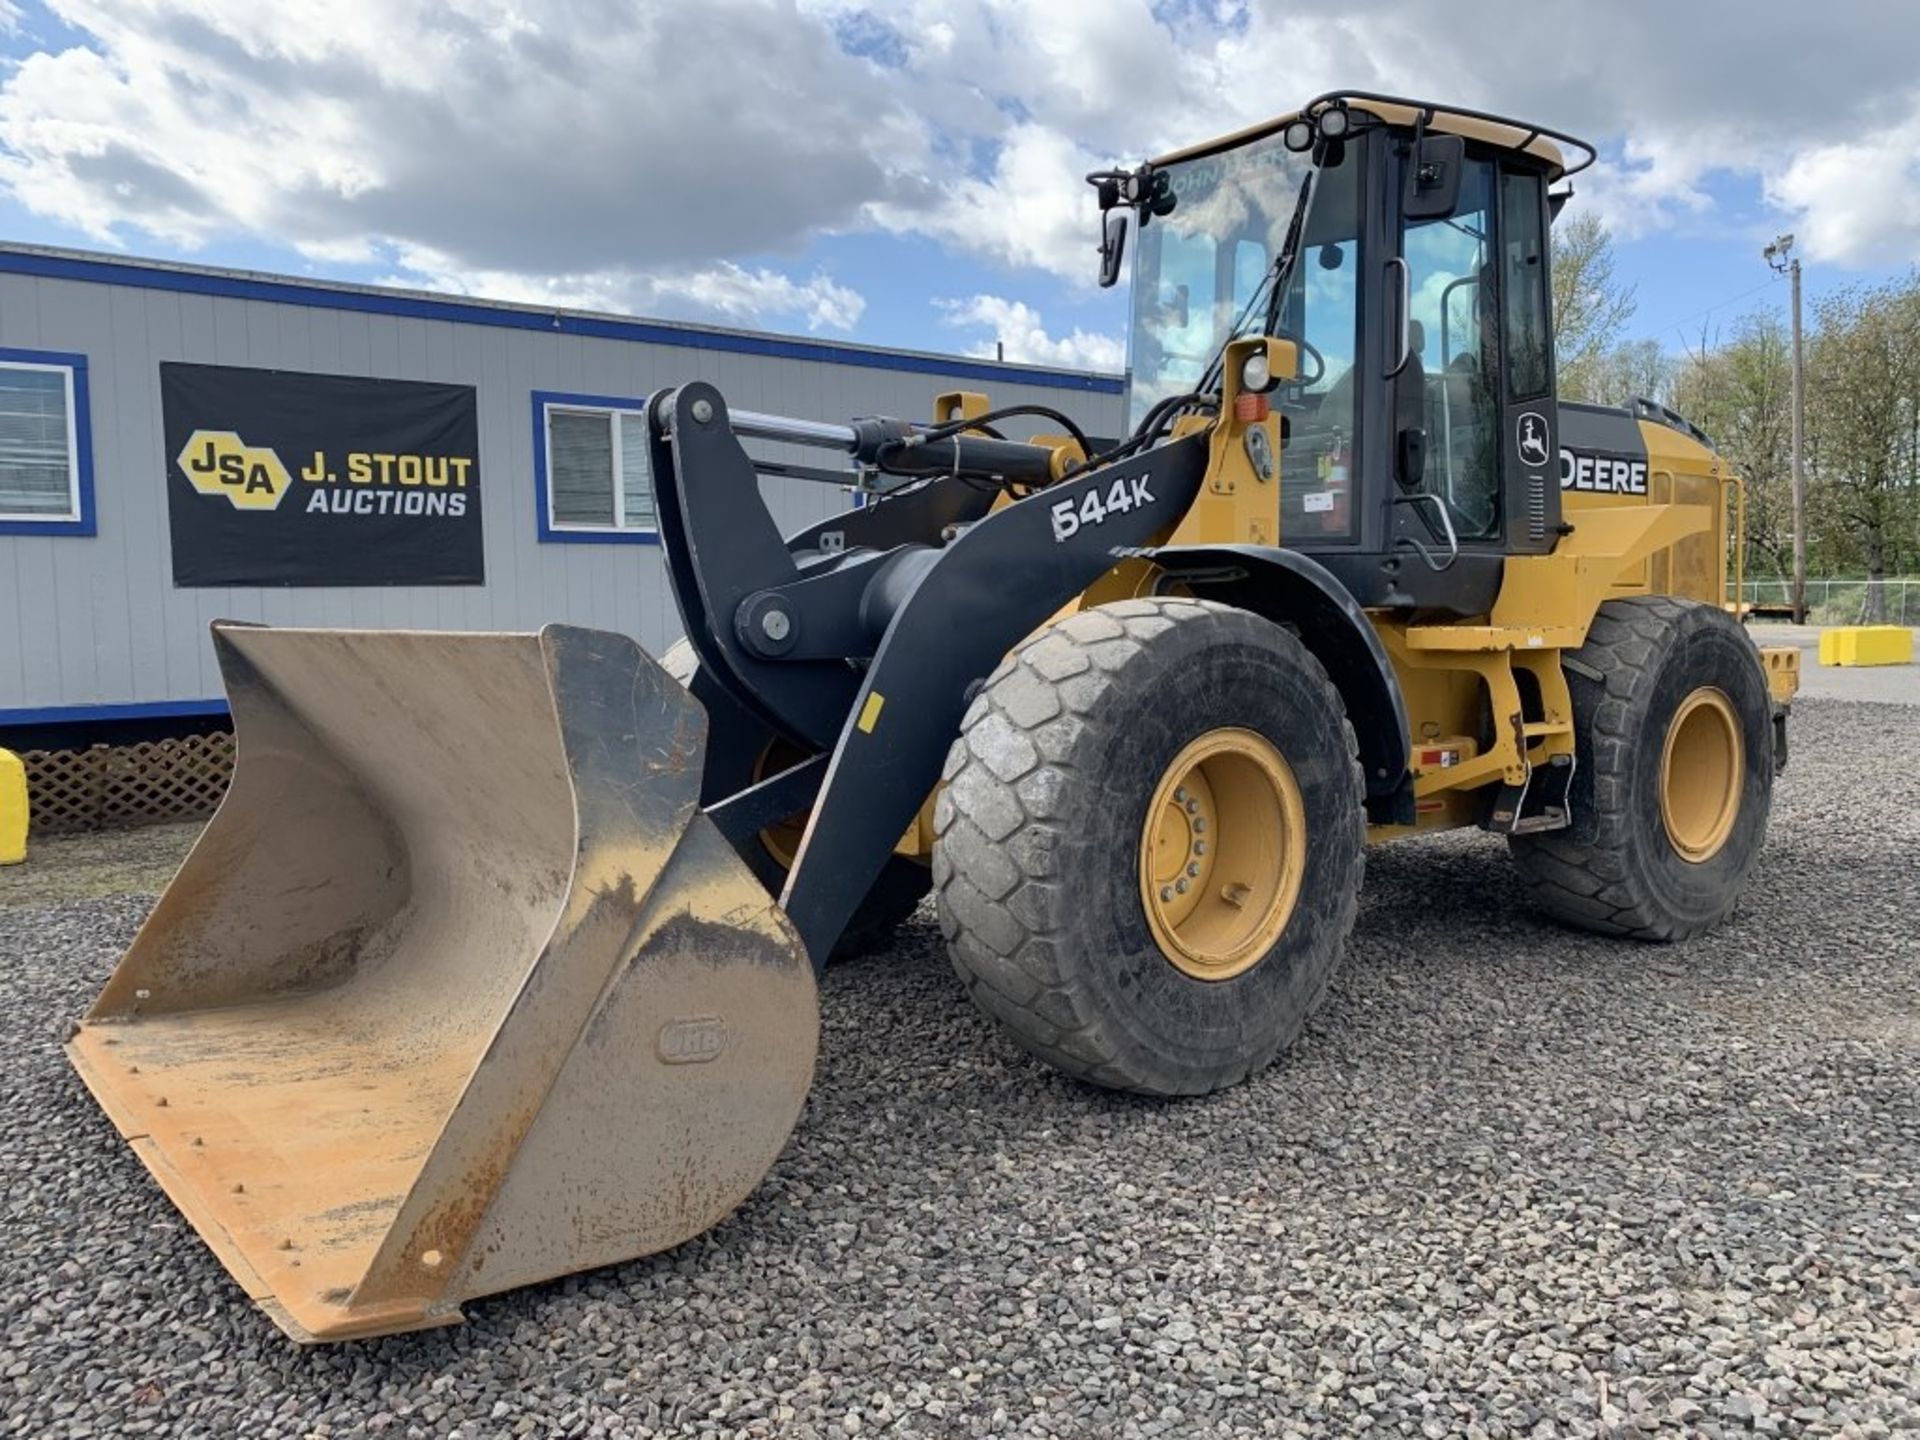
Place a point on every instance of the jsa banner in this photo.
(280, 478)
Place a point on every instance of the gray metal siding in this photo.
(97, 621)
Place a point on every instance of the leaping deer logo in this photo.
(1532, 437)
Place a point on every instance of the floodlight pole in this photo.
(1779, 256)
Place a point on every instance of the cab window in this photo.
(1523, 275)
(1455, 338)
(1322, 310)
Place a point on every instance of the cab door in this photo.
(1478, 386)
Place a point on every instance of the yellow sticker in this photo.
(870, 712)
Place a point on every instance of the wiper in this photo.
(1270, 282)
(1289, 248)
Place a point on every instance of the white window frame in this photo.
(548, 408)
(76, 507)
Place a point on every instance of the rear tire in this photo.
(897, 891)
(1060, 793)
(1674, 774)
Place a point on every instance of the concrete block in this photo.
(1866, 645)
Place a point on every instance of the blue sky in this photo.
(903, 172)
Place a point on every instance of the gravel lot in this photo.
(1515, 1181)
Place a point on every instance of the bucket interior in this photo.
(294, 1024)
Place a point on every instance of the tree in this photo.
(1589, 305)
(1633, 370)
(1741, 394)
(1863, 427)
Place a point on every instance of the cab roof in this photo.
(1518, 136)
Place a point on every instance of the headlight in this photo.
(1256, 374)
(1334, 123)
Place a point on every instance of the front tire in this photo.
(1084, 907)
(1673, 733)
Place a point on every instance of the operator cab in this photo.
(1402, 247)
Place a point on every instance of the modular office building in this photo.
(180, 444)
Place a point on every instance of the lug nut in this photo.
(1166, 892)
(1199, 825)
(1193, 872)
(1181, 886)
(1193, 807)
(1199, 847)
(1180, 793)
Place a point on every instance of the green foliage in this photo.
(1863, 430)
(1741, 394)
(1589, 308)
(1862, 406)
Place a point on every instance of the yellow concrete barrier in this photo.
(1866, 645)
(13, 809)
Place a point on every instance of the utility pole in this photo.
(1779, 256)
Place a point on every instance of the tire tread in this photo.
(1001, 947)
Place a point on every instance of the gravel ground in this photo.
(1514, 1181)
(96, 863)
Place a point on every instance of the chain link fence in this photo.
(1838, 602)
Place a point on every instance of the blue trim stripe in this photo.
(87, 524)
(140, 710)
(550, 535)
(294, 292)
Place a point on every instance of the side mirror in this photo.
(1113, 246)
(1433, 177)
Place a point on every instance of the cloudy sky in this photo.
(905, 172)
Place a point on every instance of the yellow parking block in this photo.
(1866, 645)
(13, 809)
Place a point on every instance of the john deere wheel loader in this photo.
(498, 960)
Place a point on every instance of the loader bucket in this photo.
(458, 990)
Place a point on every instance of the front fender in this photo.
(1293, 590)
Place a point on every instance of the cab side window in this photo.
(1523, 274)
(1453, 278)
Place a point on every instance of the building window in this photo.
(46, 464)
(593, 479)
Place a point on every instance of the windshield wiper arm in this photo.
(1276, 274)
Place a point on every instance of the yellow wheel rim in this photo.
(781, 839)
(1222, 853)
(1702, 774)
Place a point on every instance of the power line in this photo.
(1708, 310)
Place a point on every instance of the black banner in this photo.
(280, 478)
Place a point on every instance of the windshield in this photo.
(1196, 268)
(1200, 266)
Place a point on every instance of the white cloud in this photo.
(1857, 202)
(1017, 330)
(670, 154)
(725, 291)
(664, 141)
(1030, 209)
